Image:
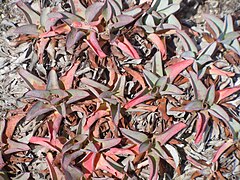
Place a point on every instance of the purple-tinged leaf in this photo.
(45, 142)
(16, 147)
(38, 109)
(210, 96)
(94, 117)
(219, 112)
(93, 11)
(52, 82)
(134, 136)
(170, 132)
(27, 29)
(32, 16)
(76, 95)
(200, 91)
(94, 84)
(137, 100)
(107, 12)
(78, 8)
(108, 143)
(174, 70)
(67, 79)
(32, 81)
(221, 94)
(194, 162)
(201, 126)
(53, 18)
(144, 146)
(221, 150)
(94, 44)
(170, 89)
(73, 37)
(122, 20)
(153, 168)
(194, 105)
(41, 95)
(187, 41)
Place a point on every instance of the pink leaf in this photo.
(158, 42)
(67, 79)
(173, 70)
(126, 47)
(97, 115)
(94, 44)
(137, 100)
(43, 142)
(118, 151)
(221, 94)
(88, 164)
(170, 132)
(200, 126)
(11, 124)
(194, 162)
(221, 150)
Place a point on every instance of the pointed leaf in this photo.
(97, 115)
(94, 44)
(210, 97)
(15, 146)
(122, 20)
(144, 146)
(221, 94)
(173, 70)
(158, 42)
(150, 78)
(76, 95)
(94, 84)
(200, 91)
(67, 79)
(187, 41)
(174, 154)
(52, 171)
(108, 142)
(32, 16)
(93, 11)
(153, 167)
(137, 100)
(78, 8)
(134, 136)
(170, 132)
(221, 150)
(32, 81)
(219, 112)
(52, 82)
(38, 109)
(201, 126)
(73, 37)
(195, 105)
(27, 29)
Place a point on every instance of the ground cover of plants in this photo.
(118, 90)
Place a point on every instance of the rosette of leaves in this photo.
(222, 32)
(208, 103)
(157, 14)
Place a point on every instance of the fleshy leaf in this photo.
(93, 11)
(200, 91)
(153, 167)
(67, 79)
(94, 44)
(150, 78)
(94, 84)
(221, 94)
(201, 126)
(158, 42)
(219, 112)
(32, 16)
(38, 109)
(170, 132)
(210, 96)
(76, 95)
(32, 81)
(221, 150)
(108, 142)
(16, 147)
(137, 100)
(134, 136)
(126, 47)
(78, 8)
(27, 29)
(195, 105)
(187, 42)
(73, 36)
(173, 70)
